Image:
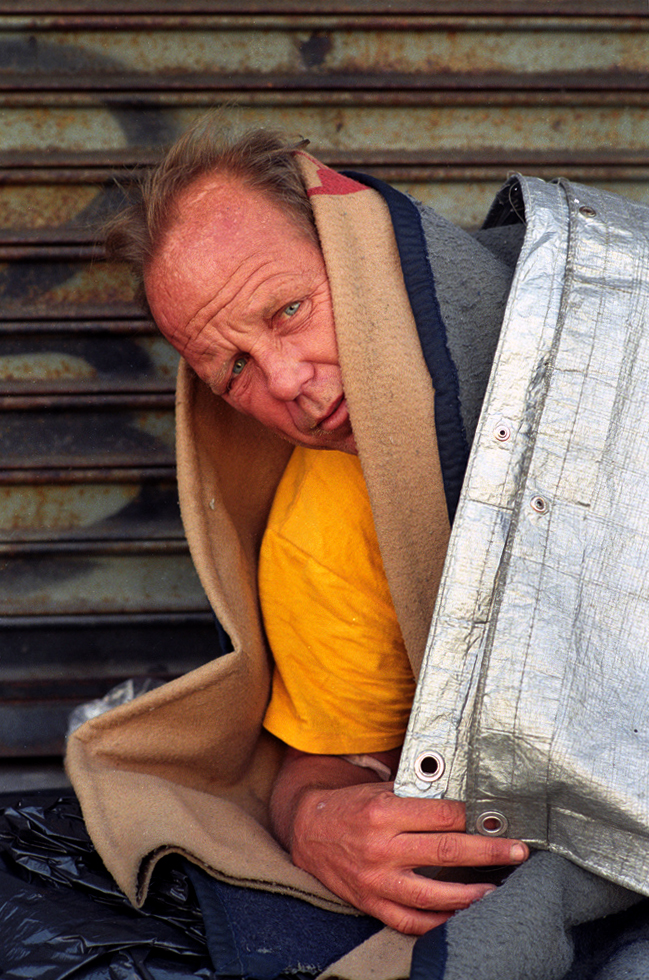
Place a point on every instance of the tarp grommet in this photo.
(540, 504)
(492, 823)
(430, 766)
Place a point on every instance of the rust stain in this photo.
(36, 509)
(42, 205)
(98, 283)
(51, 366)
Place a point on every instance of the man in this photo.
(235, 277)
(539, 636)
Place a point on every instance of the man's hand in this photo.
(363, 842)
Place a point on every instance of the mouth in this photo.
(336, 416)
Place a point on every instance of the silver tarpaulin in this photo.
(533, 701)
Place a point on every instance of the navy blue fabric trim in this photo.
(429, 956)
(420, 286)
(259, 934)
(223, 639)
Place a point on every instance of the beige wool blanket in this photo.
(188, 768)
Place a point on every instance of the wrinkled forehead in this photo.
(223, 212)
(215, 210)
(218, 225)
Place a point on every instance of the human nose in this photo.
(286, 374)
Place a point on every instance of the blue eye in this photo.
(237, 368)
(292, 308)
(239, 365)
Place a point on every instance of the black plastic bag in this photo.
(62, 917)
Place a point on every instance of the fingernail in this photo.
(481, 892)
(517, 853)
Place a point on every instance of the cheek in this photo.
(257, 402)
(320, 343)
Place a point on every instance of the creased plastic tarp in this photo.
(535, 689)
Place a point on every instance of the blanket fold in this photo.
(191, 759)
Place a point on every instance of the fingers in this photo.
(430, 832)
(414, 905)
(456, 850)
(411, 814)
(412, 922)
(414, 891)
(363, 843)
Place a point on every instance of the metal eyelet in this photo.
(587, 211)
(429, 767)
(492, 823)
(502, 433)
(540, 505)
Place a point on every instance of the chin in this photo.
(324, 440)
(348, 446)
(333, 440)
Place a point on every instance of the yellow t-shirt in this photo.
(342, 681)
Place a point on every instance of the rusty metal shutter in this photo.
(442, 99)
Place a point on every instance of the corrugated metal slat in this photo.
(440, 99)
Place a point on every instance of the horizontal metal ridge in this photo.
(100, 160)
(39, 549)
(42, 237)
(131, 84)
(82, 402)
(69, 311)
(267, 97)
(100, 620)
(78, 159)
(96, 392)
(365, 22)
(46, 252)
(359, 8)
(39, 688)
(130, 328)
(395, 165)
(51, 475)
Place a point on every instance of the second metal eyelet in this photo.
(492, 823)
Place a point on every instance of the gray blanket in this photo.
(550, 920)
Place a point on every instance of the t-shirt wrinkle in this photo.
(314, 562)
(342, 682)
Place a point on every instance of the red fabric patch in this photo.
(335, 183)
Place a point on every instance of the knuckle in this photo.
(421, 897)
(449, 849)
(497, 851)
(377, 809)
(369, 884)
(447, 814)
(403, 921)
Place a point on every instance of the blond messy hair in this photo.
(262, 159)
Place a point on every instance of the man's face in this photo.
(242, 293)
